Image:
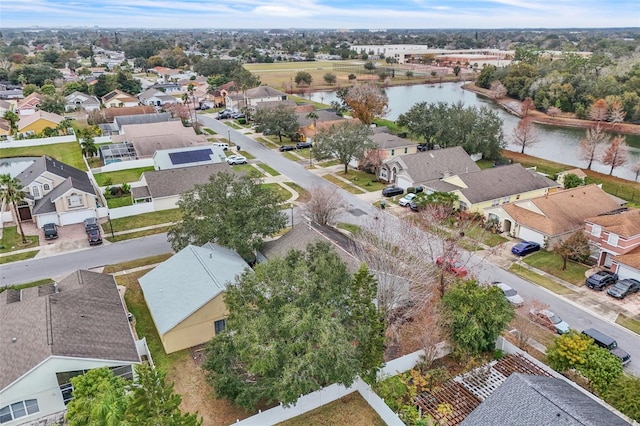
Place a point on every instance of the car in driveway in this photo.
(391, 191)
(407, 199)
(94, 237)
(284, 148)
(236, 159)
(510, 294)
(452, 265)
(525, 247)
(50, 231)
(623, 288)
(303, 145)
(548, 319)
(90, 223)
(224, 114)
(601, 279)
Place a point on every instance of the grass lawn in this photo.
(123, 201)
(145, 219)
(69, 153)
(11, 240)
(121, 176)
(301, 100)
(208, 130)
(27, 285)
(303, 195)
(349, 227)
(268, 143)
(349, 410)
(268, 169)
(282, 193)
(480, 234)
(364, 180)
(18, 257)
(629, 323)
(135, 234)
(247, 155)
(485, 164)
(145, 261)
(329, 163)
(342, 184)
(291, 156)
(551, 263)
(248, 169)
(540, 280)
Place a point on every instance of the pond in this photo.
(14, 166)
(555, 143)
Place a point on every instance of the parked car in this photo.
(391, 191)
(452, 265)
(623, 288)
(50, 231)
(223, 145)
(609, 343)
(510, 294)
(236, 159)
(224, 114)
(94, 237)
(407, 199)
(414, 206)
(601, 279)
(237, 115)
(90, 223)
(286, 148)
(303, 145)
(525, 247)
(549, 320)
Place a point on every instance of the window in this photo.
(35, 191)
(75, 200)
(613, 240)
(495, 203)
(18, 409)
(505, 200)
(596, 230)
(46, 187)
(463, 206)
(219, 326)
(393, 152)
(406, 149)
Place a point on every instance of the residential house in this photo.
(5, 129)
(79, 100)
(115, 128)
(166, 74)
(391, 145)
(186, 157)
(38, 121)
(221, 93)
(492, 187)
(551, 218)
(148, 138)
(326, 118)
(252, 97)
(163, 188)
(54, 332)
(117, 98)
(6, 106)
(11, 94)
(29, 105)
(528, 400)
(185, 294)
(413, 170)
(168, 88)
(615, 239)
(156, 97)
(56, 193)
(109, 114)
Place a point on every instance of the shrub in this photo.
(242, 121)
(411, 190)
(108, 182)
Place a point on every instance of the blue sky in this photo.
(374, 14)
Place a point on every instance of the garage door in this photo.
(625, 271)
(530, 235)
(403, 183)
(76, 217)
(47, 218)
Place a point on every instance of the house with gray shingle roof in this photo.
(56, 331)
(79, 100)
(56, 193)
(238, 98)
(185, 294)
(156, 97)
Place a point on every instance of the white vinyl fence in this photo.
(35, 142)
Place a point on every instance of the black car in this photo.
(287, 148)
(303, 145)
(601, 279)
(224, 114)
(90, 223)
(391, 191)
(94, 237)
(50, 231)
(623, 288)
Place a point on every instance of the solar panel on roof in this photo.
(190, 156)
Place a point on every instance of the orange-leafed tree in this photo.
(367, 102)
(599, 110)
(616, 154)
(526, 106)
(616, 113)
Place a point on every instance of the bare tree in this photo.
(575, 247)
(616, 154)
(553, 111)
(424, 332)
(591, 143)
(599, 110)
(524, 327)
(636, 169)
(616, 113)
(367, 102)
(525, 134)
(526, 106)
(498, 90)
(372, 160)
(325, 205)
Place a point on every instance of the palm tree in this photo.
(13, 119)
(89, 148)
(11, 194)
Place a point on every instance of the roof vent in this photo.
(15, 339)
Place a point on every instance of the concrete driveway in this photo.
(70, 238)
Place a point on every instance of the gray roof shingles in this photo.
(435, 164)
(170, 182)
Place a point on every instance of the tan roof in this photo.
(630, 259)
(626, 224)
(26, 120)
(562, 211)
(33, 99)
(578, 172)
(149, 138)
(110, 113)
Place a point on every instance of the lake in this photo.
(555, 143)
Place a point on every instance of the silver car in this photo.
(512, 296)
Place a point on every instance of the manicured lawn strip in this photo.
(351, 410)
(11, 240)
(329, 163)
(628, 323)
(27, 285)
(540, 280)
(69, 153)
(115, 202)
(270, 170)
(282, 193)
(342, 184)
(289, 66)
(480, 234)
(484, 164)
(551, 263)
(349, 227)
(121, 176)
(291, 156)
(146, 219)
(208, 130)
(233, 125)
(18, 257)
(144, 324)
(137, 263)
(269, 144)
(303, 195)
(247, 155)
(135, 234)
(248, 169)
(364, 180)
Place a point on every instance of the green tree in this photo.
(330, 78)
(303, 77)
(295, 324)
(369, 66)
(576, 248)
(87, 142)
(475, 316)
(568, 351)
(48, 89)
(572, 181)
(623, 395)
(280, 119)
(34, 73)
(11, 194)
(601, 368)
(54, 104)
(99, 399)
(345, 141)
(13, 119)
(486, 76)
(231, 210)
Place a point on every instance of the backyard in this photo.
(69, 153)
(121, 176)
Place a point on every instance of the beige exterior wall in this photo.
(479, 207)
(166, 203)
(197, 328)
(88, 201)
(396, 152)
